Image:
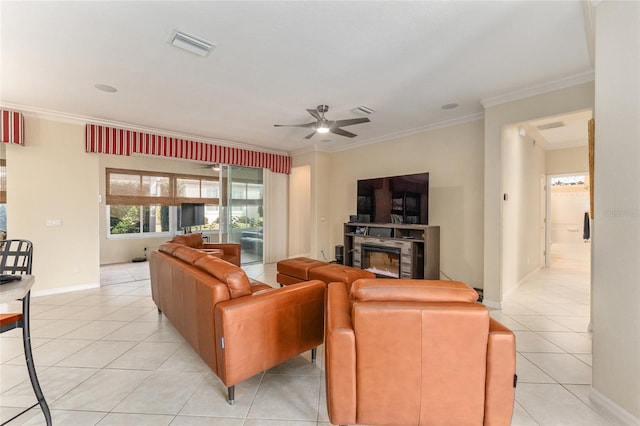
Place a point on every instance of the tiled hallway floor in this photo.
(106, 357)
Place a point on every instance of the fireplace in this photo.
(381, 260)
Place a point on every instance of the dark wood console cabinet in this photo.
(419, 246)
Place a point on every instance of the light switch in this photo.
(54, 222)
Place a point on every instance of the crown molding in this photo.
(411, 132)
(562, 83)
(83, 120)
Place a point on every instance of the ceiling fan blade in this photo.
(350, 122)
(308, 125)
(314, 113)
(310, 135)
(341, 132)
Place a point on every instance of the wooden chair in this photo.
(15, 258)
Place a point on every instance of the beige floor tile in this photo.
(121, 419)
(146, 356)
(170, 391)
(210, 399)
(102, 391)
(97, 355)
(555, 405)
(283, 397)
(563, 368)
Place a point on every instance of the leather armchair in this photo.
(226, 251)
(416, 352)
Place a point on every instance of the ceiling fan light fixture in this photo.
(323, 128)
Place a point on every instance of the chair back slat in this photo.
(15, 257)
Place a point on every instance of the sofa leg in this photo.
(231, 391)
(314, 352)
(159, 311)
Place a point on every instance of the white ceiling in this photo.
(273, 60)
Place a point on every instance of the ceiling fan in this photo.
(322, 125)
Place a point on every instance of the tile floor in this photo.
(105, 357)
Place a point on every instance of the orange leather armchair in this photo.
(225, 251)
(416, 352)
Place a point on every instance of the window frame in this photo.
(173, 201)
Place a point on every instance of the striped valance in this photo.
(110, 140)
(11, 127)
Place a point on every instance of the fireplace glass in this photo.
(382, 261)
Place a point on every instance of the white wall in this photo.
(452, 156)
(52, 178)
(299, 211)
(276, 215)
(616, 229)
(523, 164)
(567, 209)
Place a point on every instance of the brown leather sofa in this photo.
(226, 251)
(416, 352)
(237, 327)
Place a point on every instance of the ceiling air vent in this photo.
(191, 43)
(548, 126)
(362, 110)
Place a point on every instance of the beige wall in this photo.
(452, 156)
(616, 225)
(567, 160)
(320, 202)
(52, 178)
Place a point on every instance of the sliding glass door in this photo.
(245, 211)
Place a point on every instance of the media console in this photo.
(393, 250)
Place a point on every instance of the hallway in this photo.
(549, 313)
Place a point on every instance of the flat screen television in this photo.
(192, 214)
(394, 199)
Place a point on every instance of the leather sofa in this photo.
(416, 352)
(239, 328)
(226, 251)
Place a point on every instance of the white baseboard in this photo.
(621, 416)
(519, 283)
(67, 289)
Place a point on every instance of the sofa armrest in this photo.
(340, 356)
(501, 370)
(257, 332)
(231, 251)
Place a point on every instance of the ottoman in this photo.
(295, 270)
(339, 273)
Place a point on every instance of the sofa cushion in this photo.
(169, 248)
(190, 240)
(366, 290)
(188, 254)
(233, 276)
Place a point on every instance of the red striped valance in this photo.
(110, 140)
(11, 127)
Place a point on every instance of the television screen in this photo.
(192, 214)
(394, 199)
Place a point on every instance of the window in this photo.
(138, 187)
(141, 202)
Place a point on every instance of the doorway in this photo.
(569, 225)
